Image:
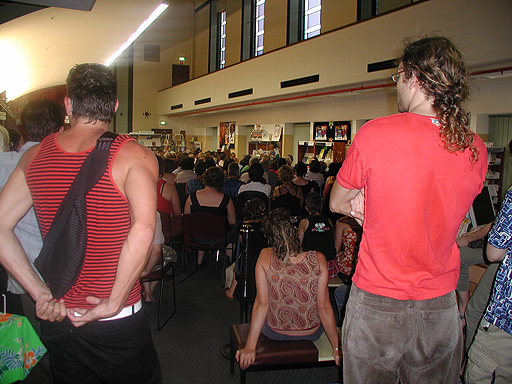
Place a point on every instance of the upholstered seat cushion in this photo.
(272, 352)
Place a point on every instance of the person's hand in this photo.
(245, 357)
(336, 353)
(102, 310)
(357, 207)
(48, 308)
(462, 241)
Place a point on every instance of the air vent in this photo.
(381, 65)
(177, 106)
(152, 53)
(240, 93)
(203, 101)
(300, 81)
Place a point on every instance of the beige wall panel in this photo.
(173, 33)
(341, 57)
(201, 43)
(338, 13)
(233, 32)
(275, 25)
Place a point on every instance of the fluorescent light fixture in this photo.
(157, 12)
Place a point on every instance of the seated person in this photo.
(195, 184)
(329, 183)
(316, 232)
(346, 241)
(315, 174)
(254, 212)
(212, 200)
(187, 170)
(257, 183)
(288, 195)
(232, 184)
(306, 185)
(307, 274)
(468, 257)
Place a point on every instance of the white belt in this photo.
(125, 312)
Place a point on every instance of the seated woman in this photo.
(306, 185)
(212, 200)
(299, 307)
(195, 184)
(288, 195)
(346, 241)
(254, 212)
(168, 201)
(316, 232)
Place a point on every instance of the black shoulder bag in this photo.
(62, 256)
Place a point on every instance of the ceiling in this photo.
(41, 40)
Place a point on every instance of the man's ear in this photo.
(68, 104)
(117, 106)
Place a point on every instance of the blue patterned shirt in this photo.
(499, 310)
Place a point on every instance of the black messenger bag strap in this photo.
(61, 270)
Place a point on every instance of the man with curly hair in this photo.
(411, 178)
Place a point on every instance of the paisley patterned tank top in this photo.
(292, 292)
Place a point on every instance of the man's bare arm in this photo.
(340, 199)
(140, 189)
(495, 254)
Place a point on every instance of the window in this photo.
(312, 11)
(371, 8)
(303, 19)
(259, 27)
(222, 40)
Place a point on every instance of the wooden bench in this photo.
(273, 354)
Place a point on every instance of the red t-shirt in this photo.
(416, 195)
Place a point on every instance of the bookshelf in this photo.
(327, 151)
(494, 175)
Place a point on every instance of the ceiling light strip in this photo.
(157, 12)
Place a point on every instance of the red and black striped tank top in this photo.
(49, 177)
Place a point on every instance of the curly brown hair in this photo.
(285, 173)
(281, 234)
(213, 177)
(439, 67)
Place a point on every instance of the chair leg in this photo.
(160, 301)
(183, 266)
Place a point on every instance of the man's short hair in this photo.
(200, 167)
(301, 169)
(41, 118)
(313, 202)
(187, 163)
(92, 89)
(233, 169)
(314, 166)
(256, 172)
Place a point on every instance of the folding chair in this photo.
(244, 197)
(166, 272)
(203, 232)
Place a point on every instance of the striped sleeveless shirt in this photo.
(49, 177)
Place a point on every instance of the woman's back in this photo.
(293, 292)
(209, 201)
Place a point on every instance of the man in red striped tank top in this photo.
(97, 330)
